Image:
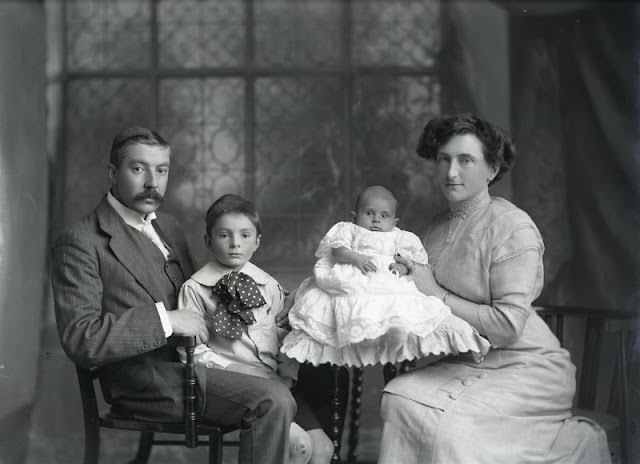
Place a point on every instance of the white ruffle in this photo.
(451, 336)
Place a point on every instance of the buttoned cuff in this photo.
(164, 319)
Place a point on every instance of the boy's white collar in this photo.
(211, 272)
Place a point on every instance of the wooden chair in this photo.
(603, 365)
(603, 368)
(389, 371)
(191, 428)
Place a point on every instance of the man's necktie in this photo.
(237, 295)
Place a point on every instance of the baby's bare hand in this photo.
(366, 264)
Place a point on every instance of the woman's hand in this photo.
(426, 282)
(399, 269)
(403, 266)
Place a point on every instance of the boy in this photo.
(240, 302)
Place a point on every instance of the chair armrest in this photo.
(190, 396)
(569, 311)
(185, 341)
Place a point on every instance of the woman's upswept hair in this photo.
(498, 148)
(231, 203)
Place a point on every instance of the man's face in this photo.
(141, 179)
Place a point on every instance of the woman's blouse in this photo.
(488, 251)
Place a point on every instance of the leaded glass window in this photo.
(294, 104)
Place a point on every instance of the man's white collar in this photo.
(129, 216)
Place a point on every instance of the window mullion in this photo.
(154, 77)
(249, 99)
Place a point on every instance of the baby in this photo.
(240, 303)
(361, 307)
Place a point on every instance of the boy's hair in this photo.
(231, 203)
(130, 136)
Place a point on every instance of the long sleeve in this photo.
(191, 298)
(95, 328)
(515, 280)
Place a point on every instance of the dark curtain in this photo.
(575, 121)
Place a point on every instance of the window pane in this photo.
(203, 120)
(96, 110)
(396, 32)
(194, 34)
(299, 164)
(108, 35)
(302, 33)
(388, 117)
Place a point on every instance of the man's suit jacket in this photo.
(105, 292)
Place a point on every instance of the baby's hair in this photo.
(231, 203)
(377, 190)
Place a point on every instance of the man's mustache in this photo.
(149, 195)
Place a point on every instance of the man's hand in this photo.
(184, 322)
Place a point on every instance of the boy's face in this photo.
(376, 213)
(232, 240)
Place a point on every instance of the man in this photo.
(116, 277)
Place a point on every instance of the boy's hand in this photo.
(282, 318)
(286, 381)
(366, 264)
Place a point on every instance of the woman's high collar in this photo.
(470, 205)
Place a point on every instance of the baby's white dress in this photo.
(346, 317)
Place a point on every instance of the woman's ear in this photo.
(493, 172)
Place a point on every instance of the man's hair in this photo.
(231, 203)
(130, 136)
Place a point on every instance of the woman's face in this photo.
(462, 169)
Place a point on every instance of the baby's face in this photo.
(376, 213)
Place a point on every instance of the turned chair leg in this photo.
(144, 448)
(356, 403)
(91, 443)
(336, 415)
(215, 448)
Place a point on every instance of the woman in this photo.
(486, 264)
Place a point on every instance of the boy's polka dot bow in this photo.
(237, 295)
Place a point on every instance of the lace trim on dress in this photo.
(465, 207)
